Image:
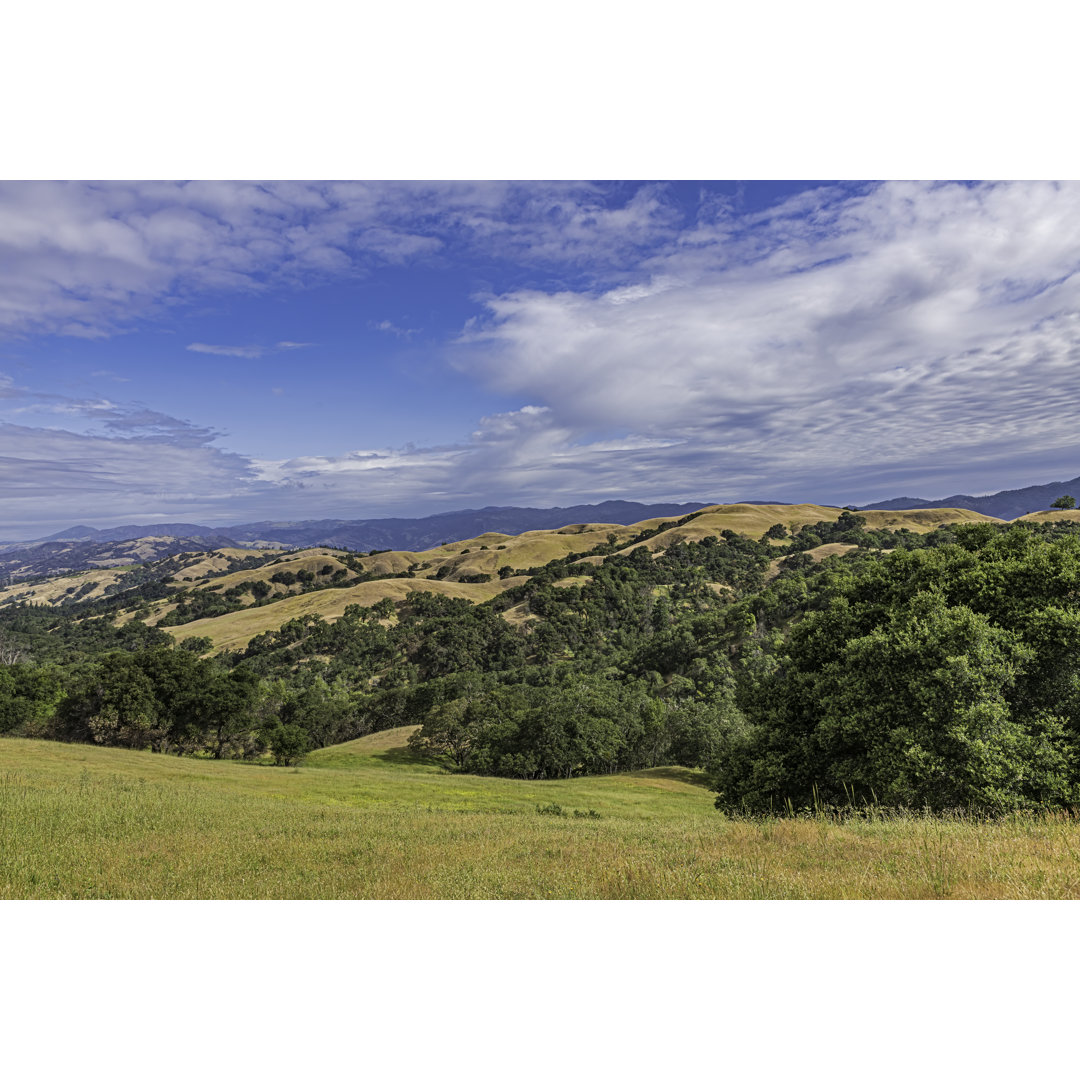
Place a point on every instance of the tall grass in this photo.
(79, 821)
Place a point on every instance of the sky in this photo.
(220, 352)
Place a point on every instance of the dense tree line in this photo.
(946, 676)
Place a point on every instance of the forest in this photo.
(917, 670)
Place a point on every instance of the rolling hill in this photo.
(230, 594)
(73, 556)
(400, 540)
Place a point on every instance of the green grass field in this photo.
(366, 820)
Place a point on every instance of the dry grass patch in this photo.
(235, 629)
(922, 521)
(818, 554)
(312, 560)
(1051, 515)
(54, 590)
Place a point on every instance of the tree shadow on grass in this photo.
(402, 755)
(674, 772)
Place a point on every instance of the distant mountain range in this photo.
(418, 534)
(18, 562)
(1003, 504)
(130, 532)
(407, 534)
(82, 547)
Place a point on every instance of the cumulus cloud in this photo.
(881, 325)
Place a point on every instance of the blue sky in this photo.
(224, 352)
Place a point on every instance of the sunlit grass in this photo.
(368, 820)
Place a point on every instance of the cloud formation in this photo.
(50, 476)
(246, 351)
(878, 326)
(88, 259)
(851, 343)
(387, 327)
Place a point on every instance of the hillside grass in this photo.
(235, 629)
(1051, 515)
(368, 820)
(818, 554)
(923, 521)
(53, 590)
(311, 559)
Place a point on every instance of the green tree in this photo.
(29, 695)
(113, 704)
(913, 701)
(287, 742)
(1066, 502)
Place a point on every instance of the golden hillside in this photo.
(922, 521)
(441, 569)
(1052, 515)
(237, 628)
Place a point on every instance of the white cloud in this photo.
(851, 343)
(86, 259)
(904, 322)
(55, 477)
(387, 327)
(247, 351)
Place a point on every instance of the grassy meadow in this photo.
(367, 820)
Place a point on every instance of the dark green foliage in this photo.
(943, 677)
(564, 724)
(196, 645)
(1066, 502)
(28, 697)
(288, 743)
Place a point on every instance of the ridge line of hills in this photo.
(82, 547)
(1006, 505)
(393, 532)
(223, 597)
(452, 525)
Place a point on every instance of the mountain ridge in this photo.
(393, 532)
(1009, 504)
(81, 547)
